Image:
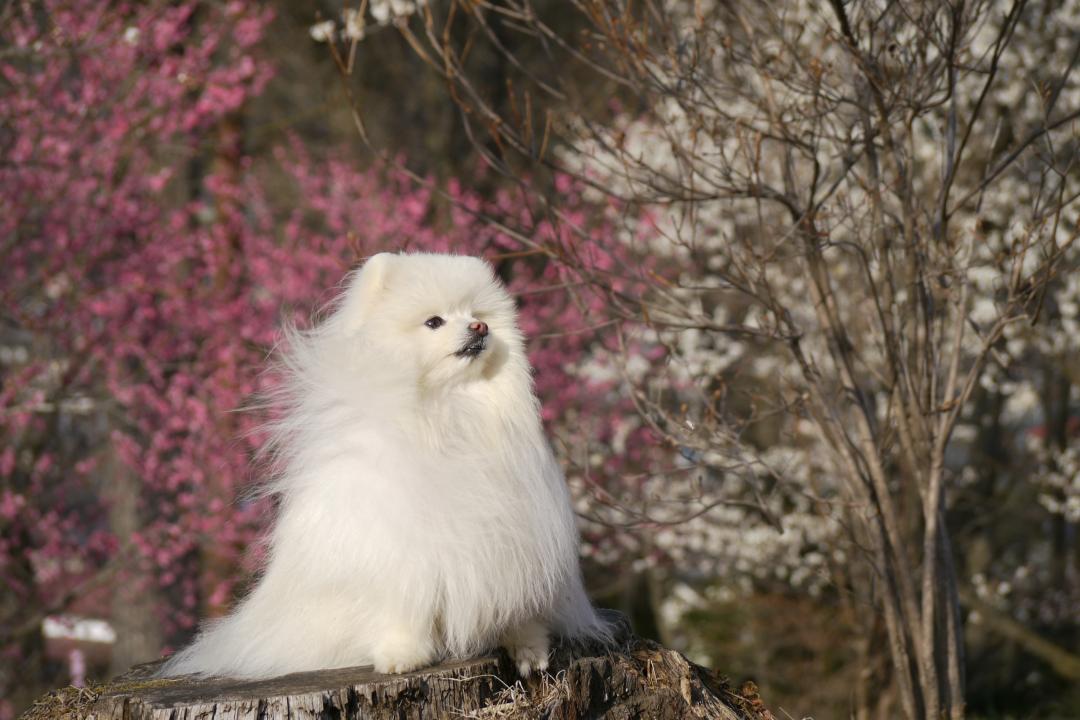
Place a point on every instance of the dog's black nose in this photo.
(480, 328)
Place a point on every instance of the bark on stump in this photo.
(640, 679)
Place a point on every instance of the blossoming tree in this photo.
(859, 218)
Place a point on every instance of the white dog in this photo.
(422, 513)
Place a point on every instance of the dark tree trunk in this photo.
(132, 613)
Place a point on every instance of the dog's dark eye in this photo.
(435, 322)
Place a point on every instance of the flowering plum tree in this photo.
(860, 218)
(129, 310)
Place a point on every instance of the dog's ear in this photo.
(365, 285)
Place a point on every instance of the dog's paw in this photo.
(530, 659)
(529, 647)
(397, 665)
(400, 655)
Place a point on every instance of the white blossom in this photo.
(322, 31)
(352, 24)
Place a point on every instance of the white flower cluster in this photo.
(1058, 477)
(353, 25)
(716, 134)
(386, 11)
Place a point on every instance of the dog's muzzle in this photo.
(478, 333)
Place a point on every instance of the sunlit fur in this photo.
(422, 514)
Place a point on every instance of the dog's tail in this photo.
(579, 622)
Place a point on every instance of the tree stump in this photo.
(638, 679)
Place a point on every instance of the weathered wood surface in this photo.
(639, 680)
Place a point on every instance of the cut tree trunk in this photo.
(639, 679)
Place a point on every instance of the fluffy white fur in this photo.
(422, 513)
